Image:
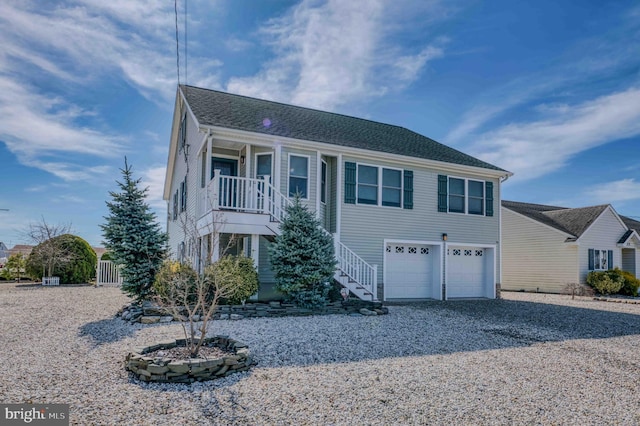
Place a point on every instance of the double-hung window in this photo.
(367, 184)
(457, 196)
(466, 196)
(298, 176)
(323, 182)
(391, 188)
(600, 260)
(379, 186)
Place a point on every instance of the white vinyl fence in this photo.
(107, 274)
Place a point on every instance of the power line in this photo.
(186, 44)
(175, 7)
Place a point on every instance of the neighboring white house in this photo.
(547, 247)
(411, 218)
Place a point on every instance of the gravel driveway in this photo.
(526, 359)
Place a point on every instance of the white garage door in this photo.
(409, 271)
(466, 272)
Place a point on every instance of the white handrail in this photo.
(356, 268)
(258, 195)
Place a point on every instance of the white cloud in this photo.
(533, 149)
(619, 190)
(335, 52)
(153, 178)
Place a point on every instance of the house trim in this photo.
(333, 150)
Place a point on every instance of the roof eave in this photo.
(255, 137)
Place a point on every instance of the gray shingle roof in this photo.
(571, 221)
(631, 223)
(214, 108)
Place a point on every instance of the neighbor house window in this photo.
(600, 260)
(298, 176)
(175, 205)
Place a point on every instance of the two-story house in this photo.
(411, 218)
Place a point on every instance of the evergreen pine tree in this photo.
(302, 257)
(133, 237)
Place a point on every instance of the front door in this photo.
(227, 189)
(227, 166)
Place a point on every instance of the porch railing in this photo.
(356, 269)
(247, 195)
(252, 195)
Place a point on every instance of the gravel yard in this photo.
(526, 359)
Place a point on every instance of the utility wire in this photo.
(175, 7)
(186, 44)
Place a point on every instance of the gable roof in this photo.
(631, 223)
(573, 221)
(220, 109)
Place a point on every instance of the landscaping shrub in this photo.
(67, 256)
(241, 280)
(604, 282)
(631, 283)
(302, 258)
(176, 282)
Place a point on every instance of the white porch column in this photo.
(209, 155)
(255, 255)
(318, 183)
(339, 187)
(247, 161)
(278, 167)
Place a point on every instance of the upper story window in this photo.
(466, 196)
(298, 176)
(367, 184)
(323, 182)
(378, 186)
(391, 188)
(182, 133)
(370, 191)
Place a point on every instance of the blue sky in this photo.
(549, 90)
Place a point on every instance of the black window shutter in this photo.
(408, 189)
(349, 183)
(609, 259)
(591, 265)
(442, 193)
(488, 188)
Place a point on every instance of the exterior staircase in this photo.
(250, 195)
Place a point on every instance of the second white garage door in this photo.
(409, 271)
(466, 272)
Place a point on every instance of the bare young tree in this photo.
(51, 253)
(191, 288)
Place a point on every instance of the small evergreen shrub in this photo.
(240, 278)
(302, 258)
(604, 282)
(176, 282)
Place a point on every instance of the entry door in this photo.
(264, 165)
(227, 166)
(227, 191)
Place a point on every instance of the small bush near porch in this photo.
(303, 258)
